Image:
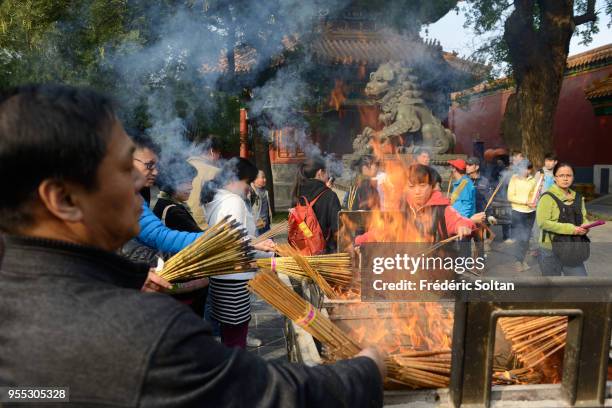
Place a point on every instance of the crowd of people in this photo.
(500, 190)
(91, 211)
(76, 312)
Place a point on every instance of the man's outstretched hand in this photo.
(155, 283)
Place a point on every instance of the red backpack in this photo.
(304, 231)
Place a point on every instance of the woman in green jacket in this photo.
(547, 216)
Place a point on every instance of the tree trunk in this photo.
(537, 99)
(511, 133)
(538, 51)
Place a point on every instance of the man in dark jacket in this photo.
(71, 312)
(483, 193)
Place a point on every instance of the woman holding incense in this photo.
(427, 211)
(521, 189)
(226, 195)
(560, 197)
(310, 184)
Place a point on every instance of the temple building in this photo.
(348, 49)
(583, 123)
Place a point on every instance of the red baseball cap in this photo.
(458, 164)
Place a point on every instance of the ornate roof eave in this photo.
(599, 89)
(590, 57)
(372, 48)
(595, 57)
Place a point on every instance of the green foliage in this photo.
(487, 18)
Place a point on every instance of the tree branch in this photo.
(588, 16)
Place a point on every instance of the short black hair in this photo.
(365, 160)
(173, 172)
(550, 156)
(49, 132)
(419, 151)
(143, 141)
(561, 165)
(234, 169)
(213, 143)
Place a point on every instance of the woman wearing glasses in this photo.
(561, 214)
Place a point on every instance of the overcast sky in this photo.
(453, 37)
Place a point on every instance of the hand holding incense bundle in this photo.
(287, 250)
(337, 269)
(221, 249)
(422, 373)
(594, 224)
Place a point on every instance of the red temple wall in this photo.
(580, 137)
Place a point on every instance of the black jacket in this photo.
(73, 316)
(326, 209)
(177, 217)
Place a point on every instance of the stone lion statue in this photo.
(402, 112)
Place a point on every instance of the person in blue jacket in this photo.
(153, 232)
(463, 199)
(463, 194)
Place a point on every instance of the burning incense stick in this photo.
(337, 269)
(302, 262)
(493, 195)
(222, 249)
(440, 244)
(278, 229)
(352, 193)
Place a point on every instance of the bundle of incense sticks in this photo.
(337, 269)
(309, 270)
(537, 191)
(285, 300)
(423, 365)
(221, 249)
(352, 194)
(421, 369)
(276, 230)
(533, 339)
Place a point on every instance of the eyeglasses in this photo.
(148, 165)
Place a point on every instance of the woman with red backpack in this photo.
(311, 197)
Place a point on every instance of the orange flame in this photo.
(338, 95)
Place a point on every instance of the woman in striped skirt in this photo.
(231, 302)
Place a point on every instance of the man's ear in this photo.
(57, 197)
